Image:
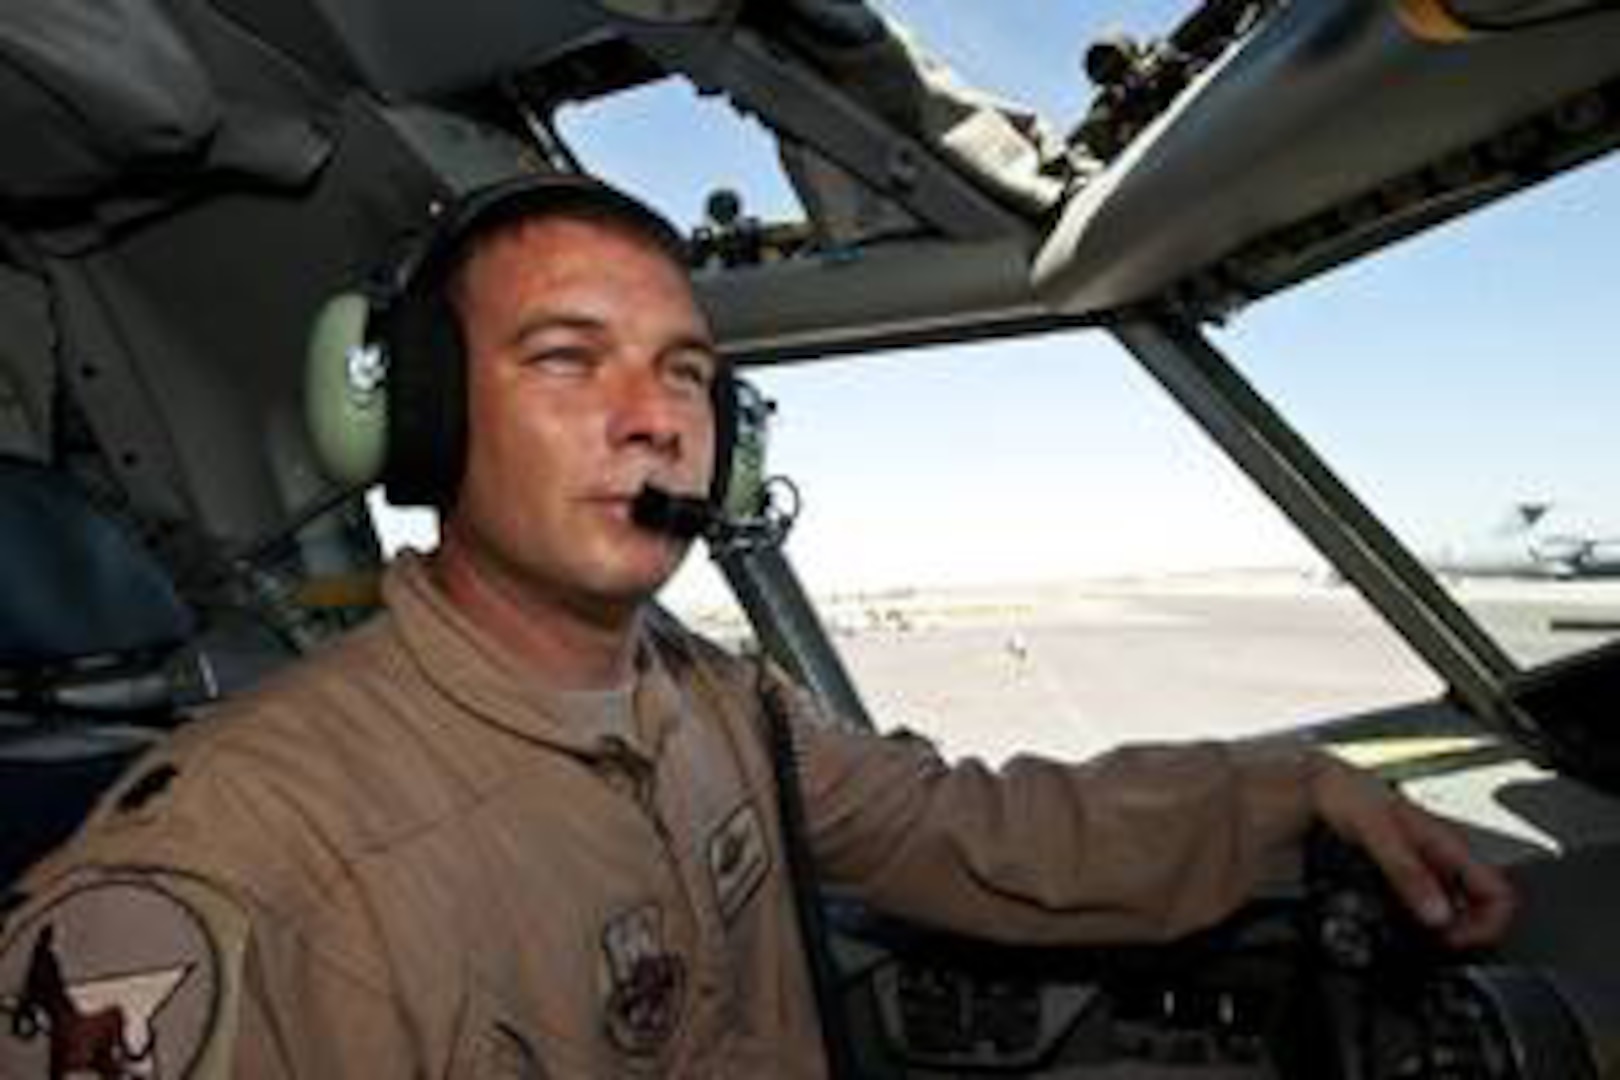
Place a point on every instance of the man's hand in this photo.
(1425, 858)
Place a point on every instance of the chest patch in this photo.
(738, 859)
(645, 982)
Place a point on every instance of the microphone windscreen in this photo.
(680, 516)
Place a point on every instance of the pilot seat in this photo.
(90, 626)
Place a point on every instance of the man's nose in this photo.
(646, 410)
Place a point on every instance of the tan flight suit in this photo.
(409, 859)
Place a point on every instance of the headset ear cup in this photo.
(427, 413)
(744, 435)
(346, 393)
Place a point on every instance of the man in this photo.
(521, 825)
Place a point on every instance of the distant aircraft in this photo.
(1535, 542)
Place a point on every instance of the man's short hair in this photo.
(562, 196)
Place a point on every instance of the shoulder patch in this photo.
(120, 978)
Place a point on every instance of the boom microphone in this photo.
(684, 517)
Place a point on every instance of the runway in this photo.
(1073, 669)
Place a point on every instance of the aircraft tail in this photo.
(1522, 518)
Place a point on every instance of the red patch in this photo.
(646, 982)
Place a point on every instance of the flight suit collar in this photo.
(482, 676)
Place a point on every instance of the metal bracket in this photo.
(798, 103)
(95, 361)
(789, 630)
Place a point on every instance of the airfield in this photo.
(1070, 669)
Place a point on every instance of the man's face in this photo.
(589, 368)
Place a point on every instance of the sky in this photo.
(1056, 458)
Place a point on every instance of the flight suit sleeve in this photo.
(1141, 844)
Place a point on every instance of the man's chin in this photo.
(642, 575)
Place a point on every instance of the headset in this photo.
(386, 386)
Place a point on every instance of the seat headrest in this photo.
(73, 584)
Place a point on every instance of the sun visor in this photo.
(90, 93)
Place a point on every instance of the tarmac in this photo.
(1070, 670)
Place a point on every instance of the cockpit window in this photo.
(1463, 384)
(1024, 547)
(611, 136)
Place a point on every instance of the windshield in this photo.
(1024, 546)
(1463, 386)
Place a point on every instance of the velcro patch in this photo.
(118, 978)
(738, 859)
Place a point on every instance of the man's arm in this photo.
(1142, 844)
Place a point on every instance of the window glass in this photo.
(1464, 385)
(399, 528)
(611, 135)
(1024, 546)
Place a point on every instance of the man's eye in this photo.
(562, 359)
(692, 373)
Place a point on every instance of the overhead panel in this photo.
(1324, 102)
(424, 49)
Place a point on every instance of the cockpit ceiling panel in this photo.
(1326, 101)
(424, 49)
